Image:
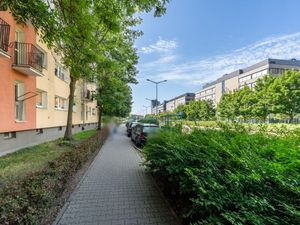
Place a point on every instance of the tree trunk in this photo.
(291, 117)
(68, 132)
(100, 118)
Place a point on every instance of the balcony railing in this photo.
(4, 35)
(28, 55)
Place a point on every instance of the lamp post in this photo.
(156, 90)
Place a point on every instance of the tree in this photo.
(182, 109)
(262, 98)
(38, 12)
(200, 110)
(244, 103)
(77, 26)
(286, 94)
(227, 107)
(114, 99)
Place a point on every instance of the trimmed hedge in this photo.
(26, 200)
(229, 177)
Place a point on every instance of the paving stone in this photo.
(116, 190)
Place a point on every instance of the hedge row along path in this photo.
(116, 190)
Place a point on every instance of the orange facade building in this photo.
(20, 63)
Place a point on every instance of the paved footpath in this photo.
(116, 190)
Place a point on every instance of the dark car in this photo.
(141, 132)
(128, 123)
(129, 128)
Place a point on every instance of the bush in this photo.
(25, 200)
(149, 120)
(229, 177)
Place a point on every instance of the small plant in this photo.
(63, 142)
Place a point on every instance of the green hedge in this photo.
(229, 177)
(25, 200)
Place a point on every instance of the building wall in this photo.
(9, 76)
(91, 112)
(170, 106)
(39, 115)
(248, 77)
(56, 86)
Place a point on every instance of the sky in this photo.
(197, 41)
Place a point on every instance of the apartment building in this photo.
(183, 99)
(20, 63)
(160, 108)
(34, 89)
(244, 77)
(53, 93)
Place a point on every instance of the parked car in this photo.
(133, 132)
(129, 128)
(128, 123)
(141, 132)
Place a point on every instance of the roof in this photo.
(290, 62)
(188, 94)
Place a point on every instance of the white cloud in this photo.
(161, 46)
(197, 72)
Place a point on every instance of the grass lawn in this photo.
(33, 158)
(84, 135)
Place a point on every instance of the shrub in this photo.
(229, 177)
(149, 120)
(25, 200)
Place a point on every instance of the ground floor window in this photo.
(19, 101)
(41, 99)
(60, 103)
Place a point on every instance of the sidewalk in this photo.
(116, 190)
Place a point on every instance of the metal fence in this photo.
(27, 54)
(4, 35)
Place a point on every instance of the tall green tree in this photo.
(227, 107)
(244, 103)
(200, 110)
(286, 94)
(80, 25)
(262, 98)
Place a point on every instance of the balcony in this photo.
(4, 38)
(88, 95)
(28, 59)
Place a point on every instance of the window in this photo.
(259, 74)
(45, 58)
(74, 107)
(39, 131)
(276, 71)
(86, 113)
(242, 79)
(82, 112)
(60, 72)
(60, 103)
(9, 135)
(94, 111)
(19, 101)
(41, 99)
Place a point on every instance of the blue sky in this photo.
(197, 41)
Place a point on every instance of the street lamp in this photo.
(156, 86)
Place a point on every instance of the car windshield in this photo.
(150, 129)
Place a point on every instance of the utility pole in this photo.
(156, 90)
